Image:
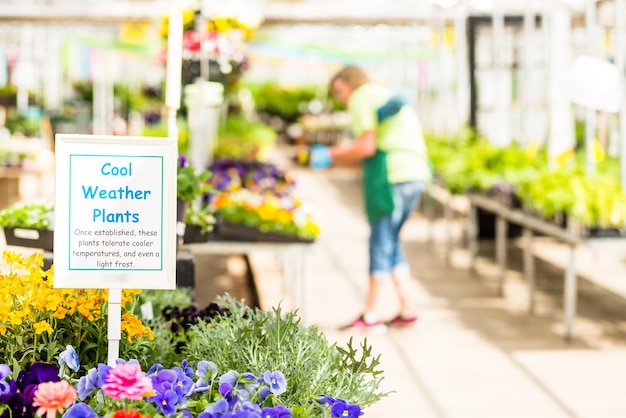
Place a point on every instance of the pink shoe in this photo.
(360, 324)
(400, 321)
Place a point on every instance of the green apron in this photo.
(377, 190)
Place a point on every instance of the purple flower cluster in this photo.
(238, 395)
(183, 319)
(229, 174)
(341, 408)
(175, 391)
(18, 394)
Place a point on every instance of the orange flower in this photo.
(53, 397)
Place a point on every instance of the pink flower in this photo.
(127, 381)
(51, 397)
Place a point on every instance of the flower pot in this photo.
(193, 233)
(238, 232)
(29, 237)
(181, 215)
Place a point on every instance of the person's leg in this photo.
(407, 196)
(381, 250)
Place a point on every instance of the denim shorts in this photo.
(386, 253)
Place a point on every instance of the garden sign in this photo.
(115, 215)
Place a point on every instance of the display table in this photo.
(468, 205)
(531, 224)
(296, 260)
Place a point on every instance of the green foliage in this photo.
(549, 192)
(599, 202)
(286, 102)
(28, 215)
(24, 124)
(467, 162)
(190, 184)
(253, 340)
(160, 131)
(201, 217)
(159, 299)
(241, 138)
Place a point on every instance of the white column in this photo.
(527, 64)
(462, 65)
(502, 91)
(561, 135)
(174, 69)
(99, 94)
(53, 76)
(590, 114)
(620, 61)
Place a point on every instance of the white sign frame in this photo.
(84, 152)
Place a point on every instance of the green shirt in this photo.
(400, 136)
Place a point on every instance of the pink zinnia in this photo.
(51, 397)
(127, 381)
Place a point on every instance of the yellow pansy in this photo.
(60, 313)
(41, 327)
(284, 217)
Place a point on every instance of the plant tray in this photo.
(233, 232)
(605, 233)
(193, 234)
(29, 237)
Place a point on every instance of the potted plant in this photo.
(190, 185)
(245, 215)
(28, 225)
(199, 224)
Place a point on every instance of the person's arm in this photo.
(364, 146)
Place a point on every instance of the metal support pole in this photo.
(447, 212)
(529, 267)
(307, 288)
(114, 325)
(501, 230)
(570, 294)
(472, 236)
(429, 209)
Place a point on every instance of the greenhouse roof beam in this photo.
(101, 12)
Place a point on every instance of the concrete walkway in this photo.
(477, 355)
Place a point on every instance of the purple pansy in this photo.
(276, 381)
(80, 410)
(69, 357)
(87, 384)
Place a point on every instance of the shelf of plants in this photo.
(565, 195)
(253, 201)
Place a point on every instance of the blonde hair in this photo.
(352, 76)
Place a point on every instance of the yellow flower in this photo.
(43, 326)
(60, 312)
(3, 330)
(15, 318)
(267, 212)
(284, 217)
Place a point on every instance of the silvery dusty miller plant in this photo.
(256, 340)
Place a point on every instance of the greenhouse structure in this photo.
(313, 208)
